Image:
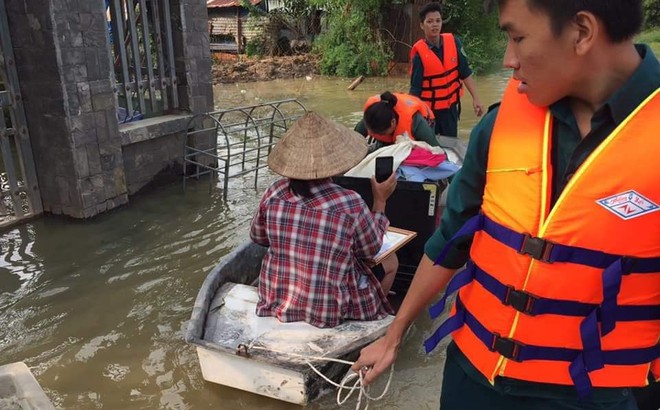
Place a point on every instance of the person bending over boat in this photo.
(321, 237)
(389, 115)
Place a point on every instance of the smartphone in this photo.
(384, 168)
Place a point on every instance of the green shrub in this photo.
(255, 47)
(652, 13)
(482, 39)
(352, 44)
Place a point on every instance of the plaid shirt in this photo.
(319, 248)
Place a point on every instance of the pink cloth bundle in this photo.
(421, 157)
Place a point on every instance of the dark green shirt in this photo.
(421, 131)
(569, 151)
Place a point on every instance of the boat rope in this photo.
(358, 384)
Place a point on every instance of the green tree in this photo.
(352, 43)
(652, 13)
(482, 39)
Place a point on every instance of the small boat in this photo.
(262, 355)
(454, 147)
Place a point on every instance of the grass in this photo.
(652, 38)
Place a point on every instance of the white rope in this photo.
(357, 385)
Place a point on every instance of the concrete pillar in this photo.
(193, 64)
(193, 55)
(63, 62)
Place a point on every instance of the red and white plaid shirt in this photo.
(318, 249)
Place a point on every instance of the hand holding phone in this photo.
(384, 168)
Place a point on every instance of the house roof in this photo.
(211, 4)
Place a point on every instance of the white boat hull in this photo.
(256, 377)
(274, 356)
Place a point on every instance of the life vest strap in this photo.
(580, 364)
(549, 252)
(441, 75)
(426, 85)
(533, 305)
(520, 352)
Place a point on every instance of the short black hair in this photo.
(301, 187)
(622, 18)
(429, 8)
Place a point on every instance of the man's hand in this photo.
(478, 107)
(376, 358)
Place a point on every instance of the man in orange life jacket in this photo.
(557, 212)
(439, 68)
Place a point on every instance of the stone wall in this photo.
(65, 79)
(84, 166)
(153, 148)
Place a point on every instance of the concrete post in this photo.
(62, 54)
(193, 63)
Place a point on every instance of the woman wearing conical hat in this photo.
(320, 237)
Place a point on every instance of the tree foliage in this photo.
(352, 43)
(652, 13)
(482, 40)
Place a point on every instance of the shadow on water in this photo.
(97, 309)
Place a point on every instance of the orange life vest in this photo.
(441, 84)
(570, 293)
(406, 107)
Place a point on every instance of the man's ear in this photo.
(586, 28)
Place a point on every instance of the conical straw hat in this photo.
(316, 147)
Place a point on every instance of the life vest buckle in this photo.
(520, 300)
(507, 347)
(537, 248)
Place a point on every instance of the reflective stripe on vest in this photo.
(406, 107)
(545, 277)
(441, 84)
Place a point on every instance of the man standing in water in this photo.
(556, 208)
(439, 68)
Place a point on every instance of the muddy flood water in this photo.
(98, 309)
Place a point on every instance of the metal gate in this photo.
(19, 191)
(244, 137)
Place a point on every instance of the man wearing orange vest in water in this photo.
(439, 68)
(556, 211)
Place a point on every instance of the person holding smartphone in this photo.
(321, 237)
(389, 115)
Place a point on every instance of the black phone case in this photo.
(384, 167)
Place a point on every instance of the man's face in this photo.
(545, 63)
(432, 25)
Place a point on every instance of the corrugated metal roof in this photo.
(227, 3)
